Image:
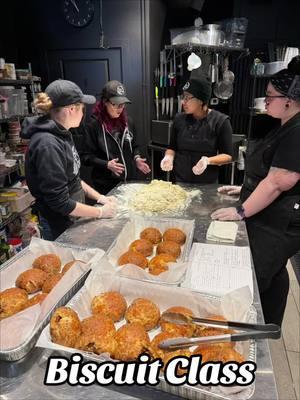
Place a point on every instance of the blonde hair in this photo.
(43, 102)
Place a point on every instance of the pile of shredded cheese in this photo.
(159, 196)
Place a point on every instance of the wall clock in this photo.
(78, 13)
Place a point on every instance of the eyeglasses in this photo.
(117, 106)
(269, 96)
(187, 98)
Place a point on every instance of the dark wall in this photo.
(41, 30)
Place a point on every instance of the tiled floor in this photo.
(286, 351)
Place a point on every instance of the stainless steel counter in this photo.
(24, 379)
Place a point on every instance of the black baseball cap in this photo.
(64, 93)
(115, 92)
(199, 87)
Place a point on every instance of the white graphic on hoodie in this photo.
(76, 161)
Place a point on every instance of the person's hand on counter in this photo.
(226, 214)
(142, 165)
(201, 166)
(106, 199)
(166, 163)
(231, 190)
(115, 167)
(108, 210)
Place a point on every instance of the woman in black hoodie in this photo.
(52, 163)
(109, 141)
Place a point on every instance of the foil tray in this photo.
(19, 352)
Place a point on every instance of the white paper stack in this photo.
(219, 269)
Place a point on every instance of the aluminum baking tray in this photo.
(185, 391)
(137, 224)
(19, 352)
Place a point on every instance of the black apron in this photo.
(274, 232)
(201, 139)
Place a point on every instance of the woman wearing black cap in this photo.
(109, 141)
(52, 163)
(201, 138)
(270, 195)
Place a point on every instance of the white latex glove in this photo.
(115, 167)
(226, 214)
(106, 199)
(201, 166)
(166, 163)
(142, 165)
(108, 210)
(231, 190)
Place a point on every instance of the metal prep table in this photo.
(23, 379)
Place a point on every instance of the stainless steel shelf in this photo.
(17, 82)
(208, 48)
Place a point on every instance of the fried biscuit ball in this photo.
(142, 246)
(178, 329)
(159, 264)
(31, 280)
(111, 304)
(133, 257)
(49, 263)
(98, 335)
(12, 300)
(144, 312)
(168, 357)
(164, 354)
(168, 247)
(155, 350)
(152, 234)
(37, 299)
(70, 264)
(51, 282)
(67, 266)
(65, 327)
(131, 341)
(202, 330)
(218, 352)
(175, 235)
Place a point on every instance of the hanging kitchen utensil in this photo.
(227, 74)
(223, 89)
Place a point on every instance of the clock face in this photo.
(78, 13)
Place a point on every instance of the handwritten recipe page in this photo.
(219, 269)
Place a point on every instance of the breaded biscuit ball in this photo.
(49, 263)
(144, 312)
(38, 298)
(131, 341)
(70, 264)
(142, 246)
(168, 247)
(31, 280)
(175, 235)
(178, 329)
(219, 353)
(155, 350)
(65, 327)
(152, 234)
(159, 264)
(111, 304)
(12, 300)
(98, 335)
(51, 282)
(203, 330)
(133, 257)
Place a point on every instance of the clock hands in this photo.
(75, 5)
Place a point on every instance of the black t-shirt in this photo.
(193, 138)
(287, 153)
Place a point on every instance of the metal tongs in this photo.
(251, 331)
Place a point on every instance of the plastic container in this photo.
(16, 243)
(18, 199)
